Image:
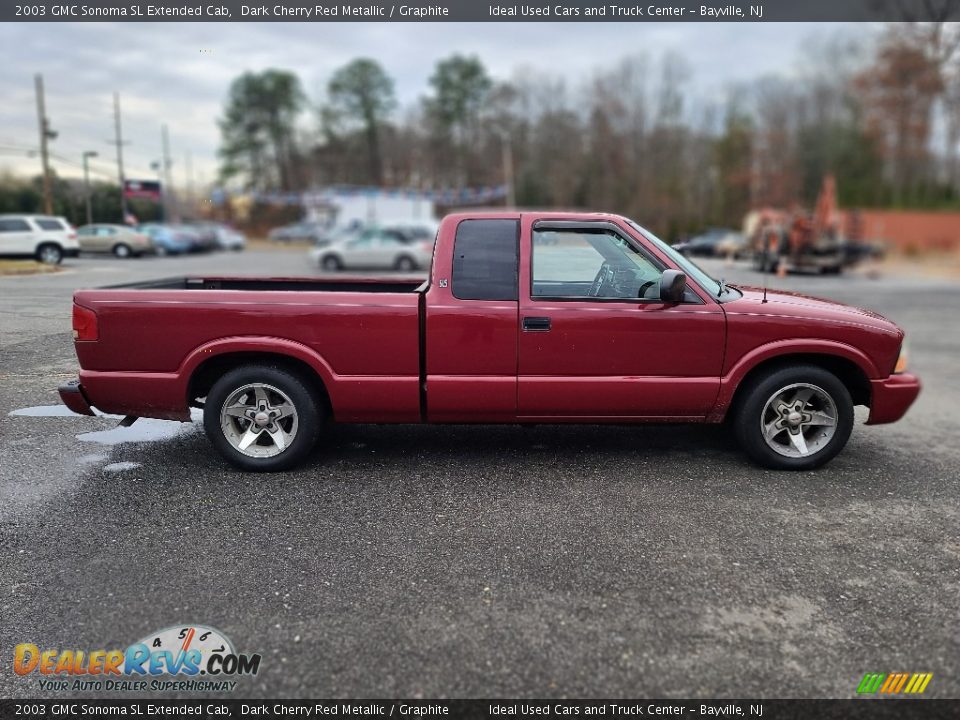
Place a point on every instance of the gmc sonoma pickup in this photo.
(526, 317)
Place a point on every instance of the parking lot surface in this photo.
(486, 561)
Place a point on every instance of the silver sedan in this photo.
(375, 249)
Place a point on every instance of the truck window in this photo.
(579, 263)
(486, 259)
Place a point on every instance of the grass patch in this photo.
(26, 267)
(263, 244)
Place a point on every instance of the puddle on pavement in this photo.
(91, 459)
(50, 411)
(143, 430)
(121, 466)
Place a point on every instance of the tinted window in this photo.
(11, 225)
(486, 258)
(50, 224)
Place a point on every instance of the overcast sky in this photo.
(179, 73)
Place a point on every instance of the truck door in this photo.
(596, 341)
(471, 325)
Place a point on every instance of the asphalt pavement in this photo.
(486, 561)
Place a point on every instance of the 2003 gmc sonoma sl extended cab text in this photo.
(526, 317)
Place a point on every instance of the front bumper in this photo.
(892, 397)
(74, 398)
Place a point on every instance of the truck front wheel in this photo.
(262, 418)
(794, 418)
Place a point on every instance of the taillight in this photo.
(84, 323)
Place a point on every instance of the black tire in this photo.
(749, 415)
(49, 253)
(331, 263)
(122, 250)
(405, 263)
(308, 417)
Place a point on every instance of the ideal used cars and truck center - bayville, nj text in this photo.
(308, 12)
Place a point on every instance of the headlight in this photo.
(901, 365)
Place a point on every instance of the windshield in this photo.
(684, 263)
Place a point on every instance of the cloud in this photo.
(179, 73)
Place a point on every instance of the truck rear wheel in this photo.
(794, 418)
(262, 418)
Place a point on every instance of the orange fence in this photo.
(908, 230)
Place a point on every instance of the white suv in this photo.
(43, 237)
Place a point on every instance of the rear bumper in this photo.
(74, 398)
(144, 394)
(892, 397)
(71, 252)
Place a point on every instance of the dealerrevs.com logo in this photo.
(172, 659)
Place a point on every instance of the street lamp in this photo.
(86, 183)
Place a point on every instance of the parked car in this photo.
(300, 231)
(732, 245)
(228, 238)
(45, 238)
(386, 248)
(202, 238)
(121, 240)
(167, 240)
(704, 245)
(609, 324)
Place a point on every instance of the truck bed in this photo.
(360, 335)
(302, 284)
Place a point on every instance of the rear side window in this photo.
(486, 260)
(49, 224)
(12, 225)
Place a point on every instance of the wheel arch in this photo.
(849, 365)
(48, 241)
(210, 362)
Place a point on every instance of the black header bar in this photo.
(326, 11)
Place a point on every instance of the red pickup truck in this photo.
(526, 317)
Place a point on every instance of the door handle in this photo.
(536, 324)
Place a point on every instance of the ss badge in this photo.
(443, 282)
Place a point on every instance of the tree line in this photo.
(635, 138)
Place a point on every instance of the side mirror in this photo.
(673, 285)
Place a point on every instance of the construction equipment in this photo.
(788, 240)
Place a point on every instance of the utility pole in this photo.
(118, 141)
(46, 134)
(168, 196)
(188, 169)
(86, 183)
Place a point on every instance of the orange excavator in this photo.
(797, 240)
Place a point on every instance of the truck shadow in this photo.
(488, 443)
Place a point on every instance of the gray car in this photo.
(375, 249)
(301, 231)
